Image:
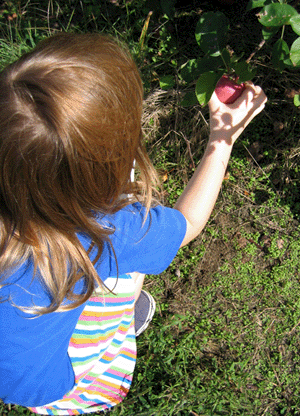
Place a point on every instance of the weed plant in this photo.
(225, 336)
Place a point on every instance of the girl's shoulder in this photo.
(143, 242)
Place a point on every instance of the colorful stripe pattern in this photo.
(102, 351)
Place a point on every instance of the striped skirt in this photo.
(102, 350)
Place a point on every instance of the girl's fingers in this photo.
(231, 120)
(252, 96)
(214, 103)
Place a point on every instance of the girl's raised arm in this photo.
(227, 122)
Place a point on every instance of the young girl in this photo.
(71, 243)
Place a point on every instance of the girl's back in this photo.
(70, 130)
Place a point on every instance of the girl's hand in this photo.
(227, 121)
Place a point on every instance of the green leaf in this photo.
(297, 100)
(244, 71)
(280, 53)
(295, 23)
(206, 85)
(168, 8)
(276, 14)
(295, 52)
(188, 71)
(211, 32)
(226, 57)
(195, 67)
(166, 82)
(269, 32)
(189, 99)
(289, 63)
(253, 4)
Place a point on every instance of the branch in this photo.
(256, 50)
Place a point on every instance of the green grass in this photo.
(225, 336)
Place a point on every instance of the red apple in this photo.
(228, 90)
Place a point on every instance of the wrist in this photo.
(228, 135)
(220, 143)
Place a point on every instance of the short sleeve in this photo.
(142, 243)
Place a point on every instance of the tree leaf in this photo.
(189, 70)
(206, 85)
(189, 99)
(295, 52)
(166, 82)
(168, 8)
(295, 23)
(195, 67)
(253, 4)
(269, 32)
(226, 57)
(289, 63)
(280, 53)
(211, 32)
(244, 71)
(276, 14)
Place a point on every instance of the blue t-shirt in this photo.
(35, 368)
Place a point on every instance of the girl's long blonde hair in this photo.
(70, 129)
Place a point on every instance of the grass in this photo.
(225, 337)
